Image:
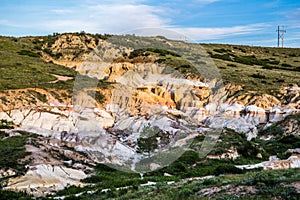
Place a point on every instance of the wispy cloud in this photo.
(112, 18)
(62, 11)
(220, 32)
(272, 4)
(207, 1)
(296, 14)
(3, 22)
(192, 19)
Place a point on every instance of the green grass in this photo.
(12, 149)
(259, 69)
(171, 59)
(266, 185)
(4, 195)
(4, 124)
(21, 66)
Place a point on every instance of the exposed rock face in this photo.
(7, 173)
(41, 179)
(142, 94)
(54, 119)
(231, 154)
(237, 124)
(74, 49)
(291, 162)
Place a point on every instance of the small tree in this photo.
(148, 142)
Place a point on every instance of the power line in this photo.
(280, 36)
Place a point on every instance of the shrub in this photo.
(286, 65)
(272, 130)
(28, 53)
(98, 96)
(39, 96)
(227, 169)
(231, 65)
(183, 193)
(258, 76)
(4, 124)
(220, 50)
(5, 194)
(12, 150)
(221, 56)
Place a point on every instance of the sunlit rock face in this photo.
(277, 164)
(40, 179)
(236, 124)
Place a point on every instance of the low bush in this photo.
(227, 169)
(28, 53)
(4, 124)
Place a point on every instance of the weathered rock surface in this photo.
(141, 94)
(46, 179)
(291, 162)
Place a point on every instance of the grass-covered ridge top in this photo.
(22, 67)
(261, 69)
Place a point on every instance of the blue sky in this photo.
(211, 21)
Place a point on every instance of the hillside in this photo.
(193, 120)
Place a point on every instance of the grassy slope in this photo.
(260, 69)
(257, 68)
(21, 66)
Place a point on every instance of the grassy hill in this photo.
(21, 66)
(260, 69)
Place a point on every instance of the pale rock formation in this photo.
(6, 173)
(231, 154)
(237, 124)
(40, 179)
(292, 162)
(234, 110)
(255, 115)
(276, 114)
(47, 122)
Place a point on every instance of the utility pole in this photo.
(280, 36)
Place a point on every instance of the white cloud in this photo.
(207, 1)
(110, 18)
(3, 22)
(220, 32)
(62, 11)
(118, 17)
(123, 18)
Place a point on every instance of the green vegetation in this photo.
(4, 195)
(4, 124)
(98, 96)
(12, 149)
(28, 53)
(259, 69)
(256, 68)
(21, 66)
(253, 185)
(38, 95)
(147, 142)
(169, 58)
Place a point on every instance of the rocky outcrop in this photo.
(45, 179)
(69, 50)
(237, 124)
(50, 119)
(275, 163)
